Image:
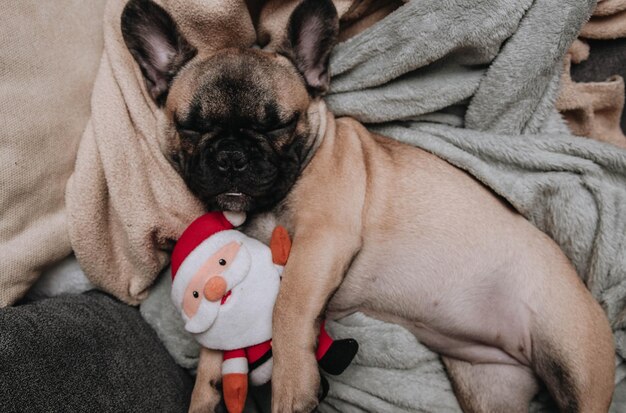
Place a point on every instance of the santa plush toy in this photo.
(225, 285)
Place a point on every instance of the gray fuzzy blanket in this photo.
(474, 82)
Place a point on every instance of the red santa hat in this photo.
(201, 229)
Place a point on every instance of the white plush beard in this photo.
(245, 319)
(204, 317)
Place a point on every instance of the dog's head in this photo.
(239, 127)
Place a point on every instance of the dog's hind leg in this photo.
(572, 344)
(491, 388)
(575, 359)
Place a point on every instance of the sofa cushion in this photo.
(49, 54)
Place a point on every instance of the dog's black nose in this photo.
(231, 160)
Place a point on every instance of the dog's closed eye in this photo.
(189, 134)
(280, 129)
(193, 130)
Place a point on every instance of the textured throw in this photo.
(474, 82)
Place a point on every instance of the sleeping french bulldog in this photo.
(377, 226)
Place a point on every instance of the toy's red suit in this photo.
(225, 284)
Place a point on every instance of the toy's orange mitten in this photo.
(280, 245)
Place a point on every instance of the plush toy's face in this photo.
(227, 297)
(212, 285)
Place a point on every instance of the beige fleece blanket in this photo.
(125, 203)
(607, 22)
(592, 109)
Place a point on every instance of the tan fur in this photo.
(397, 230)
(476, 385)
(278, 75)
(212, 31)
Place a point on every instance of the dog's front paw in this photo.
(205, 397)
(295, 385)
(204, 400)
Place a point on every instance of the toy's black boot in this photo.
(339, 356)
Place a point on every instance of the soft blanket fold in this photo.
(608, 21)
(591, 109)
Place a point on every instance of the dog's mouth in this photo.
(234, 201)
(226, 297)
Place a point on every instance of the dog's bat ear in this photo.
(153, 39)
(311, 34)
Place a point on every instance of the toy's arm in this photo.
(235, 380)
(280, 245)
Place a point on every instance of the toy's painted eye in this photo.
(222, 261)
(195, 294)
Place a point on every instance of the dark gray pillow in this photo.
(86, 352)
